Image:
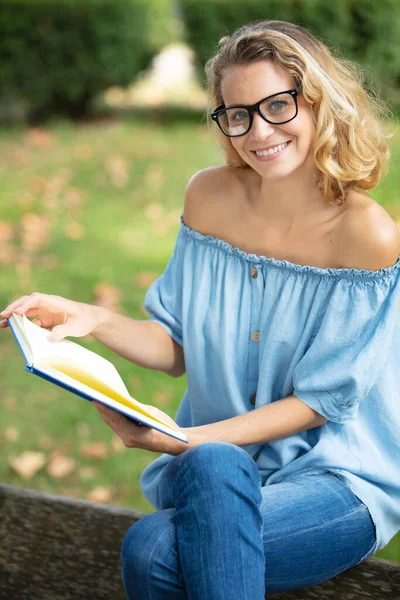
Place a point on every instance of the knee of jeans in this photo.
(151, 536)
(218, 459)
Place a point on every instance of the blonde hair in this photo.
(350, 148)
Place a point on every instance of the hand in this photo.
(145, 438)
(64, 317)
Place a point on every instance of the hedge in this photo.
(57, 55)
(362, 30)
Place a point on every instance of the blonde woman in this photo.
(280, 302)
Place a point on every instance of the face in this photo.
(247, 84)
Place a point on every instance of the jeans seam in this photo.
(338, 520)
(153, 551)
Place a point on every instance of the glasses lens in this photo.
(234, 121)
(279, 108)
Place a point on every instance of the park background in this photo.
(102, 123)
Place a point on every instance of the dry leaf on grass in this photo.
(118, 445)
(99, 494)
(117, 169)
(27, 464)
(39, 138)
(11, 434)
(107, 296)
(60, 465)
(34, 231)
(154, 211)
(161, 398)
(6, 232)
(145, 279)
(74, 230)
(95, 450)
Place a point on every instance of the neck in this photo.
(291, 204)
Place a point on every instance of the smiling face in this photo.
(292, 142)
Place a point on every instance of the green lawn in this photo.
(91, 212)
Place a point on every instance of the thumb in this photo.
(58, 333)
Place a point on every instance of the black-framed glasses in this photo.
(276, 109)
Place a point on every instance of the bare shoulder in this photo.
(206, 194)
(369, 236)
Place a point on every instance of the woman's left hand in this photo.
(146, 438)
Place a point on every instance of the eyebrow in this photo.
(265, 98)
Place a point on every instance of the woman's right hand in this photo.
(64, 317)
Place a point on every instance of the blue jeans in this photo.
(221, 535)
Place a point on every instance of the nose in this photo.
(261, 129)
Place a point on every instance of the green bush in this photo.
(57, 55)
(365, 31)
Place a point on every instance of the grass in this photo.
(96, 194)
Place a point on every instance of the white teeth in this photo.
(271, 150)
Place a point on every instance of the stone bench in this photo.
(57, 548)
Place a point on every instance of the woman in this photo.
(280, 302)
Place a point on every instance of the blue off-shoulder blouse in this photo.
(257, 329)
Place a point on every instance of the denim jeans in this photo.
(221, 535)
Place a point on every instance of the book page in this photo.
(65, 352)
(139, 412)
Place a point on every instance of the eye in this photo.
(277, 105)
(237, 116)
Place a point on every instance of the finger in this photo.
(11, 307)
(4, 324)
(38, 322)
(37, 300)
(118, 422)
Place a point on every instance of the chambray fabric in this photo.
(221, 536)
(329, 336)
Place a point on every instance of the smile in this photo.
(271, 152)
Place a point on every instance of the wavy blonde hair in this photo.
(350, 148)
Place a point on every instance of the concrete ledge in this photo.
(57, 548)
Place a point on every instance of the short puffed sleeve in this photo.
(351, 345)
(163, 300)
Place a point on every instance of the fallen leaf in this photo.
(117, 169)
(27, 464)
(6, 232)
(94, 450)
(145, 279)
(39, 138)
(118, 445)
(154, 211)
(161, 397)
(99, 494)
(107, 296)
(74, 231)
(34, 231)
(60, 466)
(11, 434)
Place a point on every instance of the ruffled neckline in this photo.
(285, 265)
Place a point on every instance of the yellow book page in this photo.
(83, 377)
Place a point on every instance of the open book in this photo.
(80, 371)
